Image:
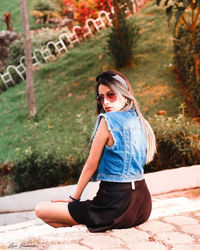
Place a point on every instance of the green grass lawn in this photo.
(13, 6)
(65, 92)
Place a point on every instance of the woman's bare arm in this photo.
(91, 165)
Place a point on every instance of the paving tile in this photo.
(35, 231)
(130, 235)
(147, 246)
(186, 247)
(198, 213)
(65, 237)
(192, 229)
(102, 242)
(156, 226)
(67, 246)
(181, 220)
(20, 225)
(174, 238)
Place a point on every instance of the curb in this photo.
(166, 181)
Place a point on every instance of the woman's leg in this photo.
(56, 214)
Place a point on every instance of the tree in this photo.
(186, 12)
(123, 37)
(28, 61)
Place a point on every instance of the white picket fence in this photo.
(65, 42)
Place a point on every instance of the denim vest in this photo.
(125, 159)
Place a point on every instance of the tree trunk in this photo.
(28, 61)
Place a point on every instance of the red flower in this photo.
(7, 20)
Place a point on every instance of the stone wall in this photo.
(6, 38)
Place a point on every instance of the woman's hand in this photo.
(65, 200)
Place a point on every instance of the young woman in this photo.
(123, 142)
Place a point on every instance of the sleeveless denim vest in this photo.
(125, 159)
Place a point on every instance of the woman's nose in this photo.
(106, 101)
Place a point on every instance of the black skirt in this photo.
(115, 206)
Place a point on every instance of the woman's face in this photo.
(109, 99)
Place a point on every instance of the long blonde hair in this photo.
(123, 89)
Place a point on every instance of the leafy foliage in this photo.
(44, 9)
(185, 64)
(121, 43)
(123, 37)
(86, 9)
(180, 9)
(186, 14)
(38, 171)
(38, 41)
(178, 143)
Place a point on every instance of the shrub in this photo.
(16, 51)
(43, 5)
(43, 10)
(38, 171)
(38, 41)
(2, 87)
(121, 42)
(178, 143)
(37, 26)
(184, 49)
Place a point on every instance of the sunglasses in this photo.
(110, 96)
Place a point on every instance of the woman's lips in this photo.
(107, 109)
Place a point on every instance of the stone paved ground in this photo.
(177, 232)
(174, 224)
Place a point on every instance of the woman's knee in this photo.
(40, 209)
